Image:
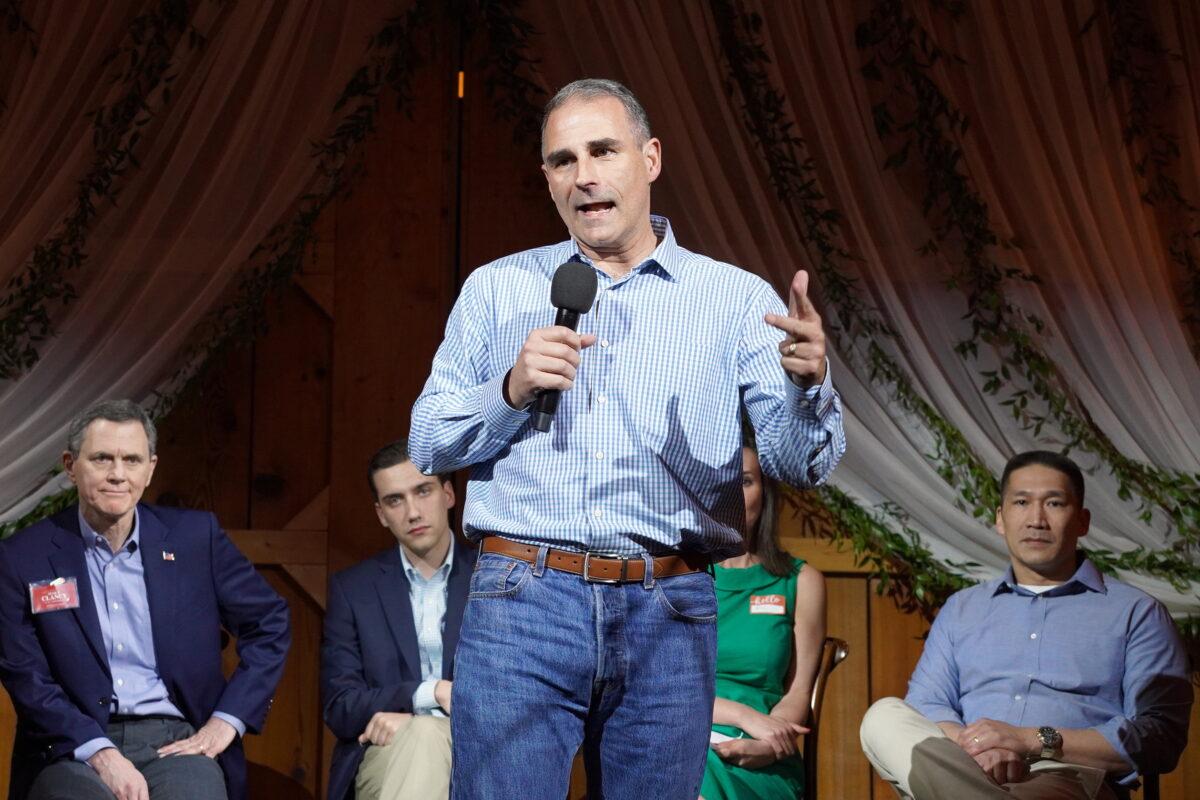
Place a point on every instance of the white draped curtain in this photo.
(1045, 150)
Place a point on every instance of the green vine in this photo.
(508, 67)
(144, 59)
(48, 506)
(904, 568)
(392, 59)
(858, 325)
(961, 225)
(1140, 63)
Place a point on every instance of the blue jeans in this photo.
(547, 661)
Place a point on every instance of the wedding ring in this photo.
(791, 349)
(975, 739)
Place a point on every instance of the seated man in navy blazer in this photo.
(391, 627)
(110, 635)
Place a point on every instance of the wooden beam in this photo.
(824, 555)
(281, 547)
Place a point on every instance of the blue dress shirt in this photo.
(645, 451)
(1091, 653)
(428, 599)
(119, 591)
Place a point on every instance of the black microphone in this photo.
(572, 292)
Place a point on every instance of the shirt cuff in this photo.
(1111, 731)
(497, 413)
(814, 402)
(91, 747)
(423, 700)
(237, 724)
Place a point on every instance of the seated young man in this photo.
(391, 628)
(1050, 682)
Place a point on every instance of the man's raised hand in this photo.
(548, 360)
(802, 353)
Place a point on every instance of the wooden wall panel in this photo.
(288, 753)
(204, 445)
(290, 442)
(506, 206)
(843, 770)
(393, 287)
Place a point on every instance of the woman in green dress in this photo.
(770, 628)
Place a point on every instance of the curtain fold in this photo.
(222, 161)
(1044, 150)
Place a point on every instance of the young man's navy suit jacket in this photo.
(54, 664)
(369, 658)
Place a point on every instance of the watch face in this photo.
(1049, 736)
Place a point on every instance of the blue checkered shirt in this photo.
(427, 596)
(645, 451)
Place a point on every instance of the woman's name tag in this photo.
(768, 604)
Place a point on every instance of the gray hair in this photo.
(594, 89)
(112, 411)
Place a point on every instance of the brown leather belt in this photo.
(600, 567)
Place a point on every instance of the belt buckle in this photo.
(587, 561)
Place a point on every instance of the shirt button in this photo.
(116, 605)
(1016, 697)
(805, 404)
(599, 512)
(601, 399)
(599, 454)
(120, 682)
(120, 647)
(604, 342)
(1033, 636)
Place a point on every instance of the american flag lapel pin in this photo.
(168, 556)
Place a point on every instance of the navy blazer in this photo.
(370, 660)
(54, 664)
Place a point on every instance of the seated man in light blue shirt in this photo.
(1050, 682)
(391, 628)
(110, 634)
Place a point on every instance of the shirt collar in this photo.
(1086, 577)
(90, 535)
(667, 256)
(440, 574)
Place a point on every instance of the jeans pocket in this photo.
(690, 598)
(498, 576)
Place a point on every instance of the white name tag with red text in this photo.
(768, 604)
(56, 595)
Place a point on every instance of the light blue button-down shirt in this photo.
(645, 451)
(1091, 653)
(118, 583)
(428, 599)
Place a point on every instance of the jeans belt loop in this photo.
(539, 565)
(648, 579)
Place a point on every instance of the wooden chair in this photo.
(833, 653)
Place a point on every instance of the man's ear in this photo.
(999, 524)
(652, 153)
(448, 488)
(68, 462)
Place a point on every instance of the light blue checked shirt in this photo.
(427, 596)
(645, 451)
(1091, 653)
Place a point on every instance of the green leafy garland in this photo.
(25, 311)
(858, 325)
(959, 218)
(1139, 62)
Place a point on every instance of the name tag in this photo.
(56, 595)
(768, 604)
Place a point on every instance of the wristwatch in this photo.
(1051, 742)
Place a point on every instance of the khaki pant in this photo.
(415, 765)
(922, 763)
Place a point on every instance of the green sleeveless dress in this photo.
(755, 618)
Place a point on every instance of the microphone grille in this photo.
(573, 287)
